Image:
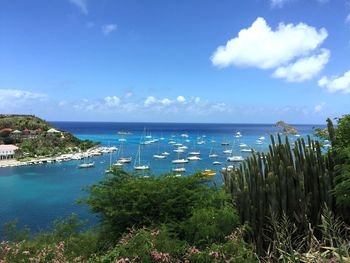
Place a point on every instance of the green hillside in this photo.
(36, 137)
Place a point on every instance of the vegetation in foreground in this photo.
(289, 205)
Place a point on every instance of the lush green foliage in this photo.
(124, 201)
(147, 245)
(21, 122)
(340, 138)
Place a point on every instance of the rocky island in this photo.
(287, 129)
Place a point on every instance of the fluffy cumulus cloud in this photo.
(336, 83)
(12, 98)
(149, 101)
(181, 99)
(81, 4)
(304, 68)
(108, 29)
(289, 47)
(151, 104)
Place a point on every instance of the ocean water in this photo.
(37, 195)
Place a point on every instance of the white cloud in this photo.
(81, 4)
(259, 46)
(319, 107)
(152, 105)
(181, 99)
(112, 101)
(304, 68)
(150, 100)
(293, 51)
(108, 28)
(166, 101)
(15, 97)
(336, 83)
(278, 3)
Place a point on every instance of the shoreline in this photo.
(95, 151)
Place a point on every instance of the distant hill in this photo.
(36, 137)
(22, 122)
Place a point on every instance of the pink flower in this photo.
(26, 252)
(160, 256)
(194, 250)
(214, 254)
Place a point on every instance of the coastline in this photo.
(95, 151)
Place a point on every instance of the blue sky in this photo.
(180, 61)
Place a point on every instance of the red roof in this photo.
(6, 129)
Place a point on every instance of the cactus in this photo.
(295, 181)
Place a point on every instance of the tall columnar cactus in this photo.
(296, 181)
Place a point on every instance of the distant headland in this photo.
(27, 138)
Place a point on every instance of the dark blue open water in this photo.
(36, 195)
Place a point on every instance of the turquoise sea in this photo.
(36, 195)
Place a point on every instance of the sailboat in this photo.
(86, 165)
(159, 156)
(122, 160)
(110, 168)
(211, 154)
(179, 161)
(139, 166)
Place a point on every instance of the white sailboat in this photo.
(140, 166)
(212, 154)
(122, 159)
(159, 156)
(179, 161)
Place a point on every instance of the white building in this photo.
(7, 151)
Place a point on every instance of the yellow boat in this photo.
(209, 173)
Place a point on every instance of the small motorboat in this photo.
(141, 167)
(217, 163)
(180, 161)
(157, 156)
(179, 169)
(194, 158)
(235, 159)
(87, 165)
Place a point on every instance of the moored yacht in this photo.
(179, 161)
(194, 158)
(235, 158)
